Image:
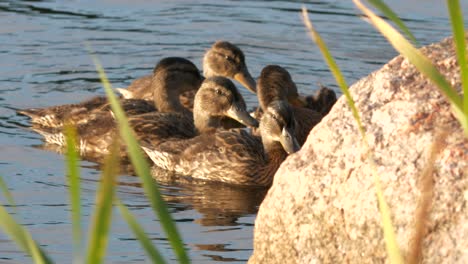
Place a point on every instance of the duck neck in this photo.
(264, 103)
(275, 155)
(274, 151)
(203, 121)
(266, 97)
(269, 91)
(166, 96)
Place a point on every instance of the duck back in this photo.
(234, 157)
(57, 116)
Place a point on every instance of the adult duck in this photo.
(216, 97)
(172, 76)
(222, 59)
(234, 157)
(275, 83)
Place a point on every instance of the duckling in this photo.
(222, 59)
(275, 83)
(217, 97)
(322, 101)
(172, 76)
(234, 157)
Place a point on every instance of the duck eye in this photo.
(229, 58)
(275, 117)
(218, 91)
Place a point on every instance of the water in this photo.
(43, 62)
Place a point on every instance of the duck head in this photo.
(180, 71)
(275, 83)
(227, 60)
(171, 77)
(218, 97)
(277, 126)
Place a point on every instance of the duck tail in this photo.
(41, 117)
(30, 112)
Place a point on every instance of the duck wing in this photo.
(85, 112)
(94, 136)
(57, 116)
(226, 156)
(133, 107)
(155, 127)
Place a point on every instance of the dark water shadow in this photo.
(219, 204)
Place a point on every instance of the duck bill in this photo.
(298, 101)
(288, 141)
(246, 80)
(241, 115)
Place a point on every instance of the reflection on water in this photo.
(44, 62)
(219, 204)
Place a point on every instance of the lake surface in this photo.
(43, 62)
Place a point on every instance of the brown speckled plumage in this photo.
(56, 116)
(173, 76)
(233, 156)
(217, 97)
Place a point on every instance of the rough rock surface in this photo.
(322, 207)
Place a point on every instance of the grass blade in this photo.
(6, 192)
(462, 118)
(423, 209)
(22, 237)
(140, 234)
(389, 233)
(391, 244)
(74, 182)
(340, 80)
(421, 62)
(143, 171)
(103, 212)
(458, 29)
(388, 12)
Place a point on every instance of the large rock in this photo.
(322, 207)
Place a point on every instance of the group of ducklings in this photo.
(189, 124)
